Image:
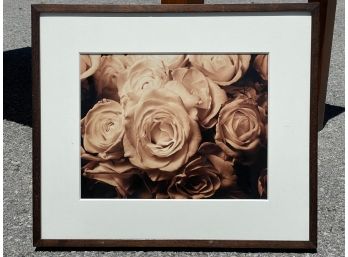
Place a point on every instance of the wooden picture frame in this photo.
(39, 241)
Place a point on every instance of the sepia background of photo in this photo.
(17, 144)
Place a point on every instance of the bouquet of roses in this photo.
(174, 126)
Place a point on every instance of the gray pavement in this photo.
(17, 147)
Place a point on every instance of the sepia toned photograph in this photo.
(188, 126)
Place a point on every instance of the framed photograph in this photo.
(175, 125)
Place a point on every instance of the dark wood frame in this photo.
(37, 10)
(327, 22)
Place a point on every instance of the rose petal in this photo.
(95, 60)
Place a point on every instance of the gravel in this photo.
(17, 156)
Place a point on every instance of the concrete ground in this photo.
(18, 134)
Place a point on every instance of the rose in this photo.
(260, 98)
(170, 61)
(106, 75)
(85, 63)
(240, 129)
(189, 100)
(102, 131)
(225, 165)
(222, 163)
(211, 96)
(173, 61)
(262, 184)
(207, 174)
(261, 65)
(88, 65)
(115, 64)
(251, 92)
(159, 132)
(222, 69)
(142, 76)
(198, 180)
(127, 179)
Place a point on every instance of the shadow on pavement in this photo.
(332, 111)
(17, 88)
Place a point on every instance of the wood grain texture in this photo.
(36, 143)
(327, 22)
(159, 244)
(182, 1)
(313, 143)
(170, 8)
(309, 245)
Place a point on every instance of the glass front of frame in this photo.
(189, 126)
